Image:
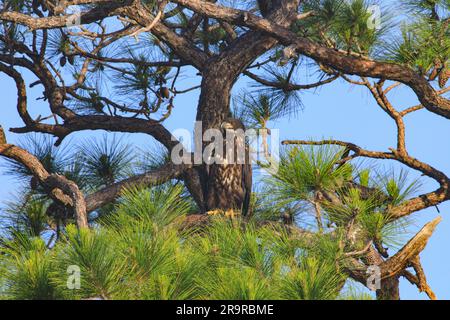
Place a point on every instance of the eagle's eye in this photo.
(226, 126)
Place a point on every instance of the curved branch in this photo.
(58, 187)
(104, 122)
(398, 262)
(419, 279)
(409, 206)
(21, 92)
(107, 195)
(97, 13)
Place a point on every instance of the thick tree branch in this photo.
(107, 195)
(420, 281)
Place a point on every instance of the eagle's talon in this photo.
(214, 212)
(230, 213)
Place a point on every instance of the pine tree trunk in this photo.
(389, 289)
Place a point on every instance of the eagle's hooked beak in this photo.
(226, 126)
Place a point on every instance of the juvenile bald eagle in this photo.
(229, 185)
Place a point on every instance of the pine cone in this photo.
(164, 92)
(63, 61)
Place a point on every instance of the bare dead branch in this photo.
(408, 254)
